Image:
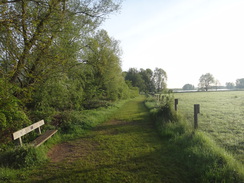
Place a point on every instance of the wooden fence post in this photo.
(176, 103)
(196, 112)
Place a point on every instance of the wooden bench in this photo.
(39, 140)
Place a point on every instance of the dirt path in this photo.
(80, 148)
(126, 149)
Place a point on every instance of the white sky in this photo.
(186, 38)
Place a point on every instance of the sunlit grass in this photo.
(222, 116)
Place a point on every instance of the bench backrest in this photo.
(27, 129)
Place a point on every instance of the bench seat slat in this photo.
(42, 138)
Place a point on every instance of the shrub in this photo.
(21, 157)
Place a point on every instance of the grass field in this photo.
(221, 116)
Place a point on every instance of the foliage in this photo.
(102, 55)
(12, 115)
(163, 109)
(135, 79)
(147, 77)
(205, 81)
(240, 83)
(21, 157)
(160, 78)
(230, 85)
(188, 87)
(53, 58)
(146, 80)
(73, 124)
(31, 43)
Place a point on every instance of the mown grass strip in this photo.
(126, 149)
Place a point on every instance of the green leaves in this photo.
(147, 80)
(103, 57)
(53, 58)
(205, 81)
(11, 113)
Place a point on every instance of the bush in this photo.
(162, 111)
(71, 121)
(21, 157)
(94, 104)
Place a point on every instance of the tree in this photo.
(230, 85)
(147, 80)
(41, 38)
(205, 81)
(188, 87)
(147, 76)
(136, 79)
(217, 84)
(42, 43)
(102, 55)
(240, 83)
(160, 78)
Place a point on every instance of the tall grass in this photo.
(195, 151)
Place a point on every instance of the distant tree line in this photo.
(207, 81)
(147, 81)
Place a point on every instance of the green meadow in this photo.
(221, 117)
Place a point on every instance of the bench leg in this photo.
(20, 141)
(39, 129)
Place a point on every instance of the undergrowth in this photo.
(193, 150)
